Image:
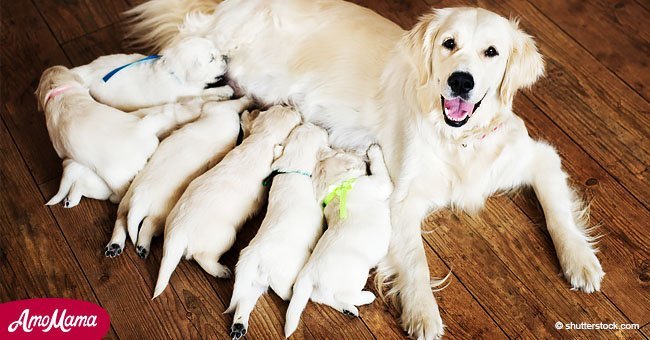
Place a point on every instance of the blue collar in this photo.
(109, 75)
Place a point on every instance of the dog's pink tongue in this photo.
(457, 108)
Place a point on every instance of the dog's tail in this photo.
(302, 290)
(137, 213)
(173, 250)
(156, 23)
(246, 274)
(71, 171)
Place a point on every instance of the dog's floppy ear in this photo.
(325, 153)
(419, 43)
(525, 65)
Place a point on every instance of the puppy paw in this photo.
(237, 331)
(112, 250)
(67, 203)
(223, 273)
(350, 313)
(142, 252)
(583, 270)
(423, 320)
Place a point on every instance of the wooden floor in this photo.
(505, 281)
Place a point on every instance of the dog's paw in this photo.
(374, 151)
(237, 331)
(142, 252)
(352, 314)
(112, 250)
(583, 270)
(67, 203)
(223, 272)
(423, 320)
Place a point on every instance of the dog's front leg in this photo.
(568, 231)
(420, 315)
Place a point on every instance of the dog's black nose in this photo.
(461, 83)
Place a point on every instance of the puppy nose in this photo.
(461, 83)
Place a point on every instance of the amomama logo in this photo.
(52, 318)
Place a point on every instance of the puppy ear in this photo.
(325, 152)
(247, 118)
(525, 65)
(419, 43)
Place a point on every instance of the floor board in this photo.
(505, 278)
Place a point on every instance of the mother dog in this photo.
(437, 98)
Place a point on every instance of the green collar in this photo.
(267, 181)
(341, 191)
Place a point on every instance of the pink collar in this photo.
(55, 92)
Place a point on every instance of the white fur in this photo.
(181, 157)
(204, 222)
(364, 78)
(338, 268)
(77, 181)
(291, 227)
(111, 143)
(184, 70)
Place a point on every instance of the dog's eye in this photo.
(491, 52)
(449, 44)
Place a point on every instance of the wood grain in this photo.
(593, 24)
(28, 48)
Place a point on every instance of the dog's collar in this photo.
(340, 191)
(51, 94)
(110, 74)
(267, 181)
(479, 134)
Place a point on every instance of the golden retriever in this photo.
(438, 98)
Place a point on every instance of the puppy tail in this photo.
(245, 274)
(67, 180)
(301, 292)
(134, 219)
(155, 24)
(173, 250)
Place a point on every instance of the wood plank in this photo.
(28, 48)
(36, 258)
(624, 247)
(107, 40)
(526, 249)
(596, 26)
(118, 284)
(78, 18)
(646, 331)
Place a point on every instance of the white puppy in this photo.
(356, 239)
(204, 222)
(133, 81)
(77, 181)
(293, 224)
(181, 157)
(111, 143)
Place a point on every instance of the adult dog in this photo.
(438, 98)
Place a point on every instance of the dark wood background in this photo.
(505, 281)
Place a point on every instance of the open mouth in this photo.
(457, 111)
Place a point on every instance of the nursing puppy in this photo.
(77, 181)
(111, 143)
(356, 239)
(292, 225)
(183, 70)
(184, 155)
(204, 223)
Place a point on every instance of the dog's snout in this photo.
(460, 83)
